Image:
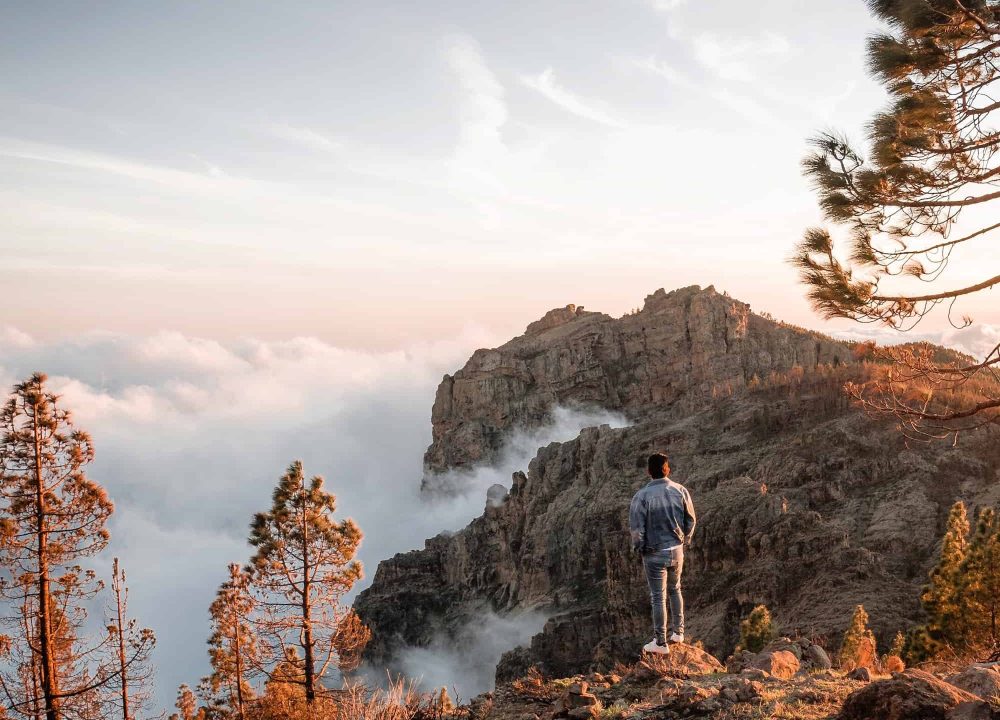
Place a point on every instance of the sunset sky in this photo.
(376, 174)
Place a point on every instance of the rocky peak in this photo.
(555, 318)
(688, 344)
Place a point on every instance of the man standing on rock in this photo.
(661, 520)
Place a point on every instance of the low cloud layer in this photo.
(466, 664)
(977, 340)
(192, 435)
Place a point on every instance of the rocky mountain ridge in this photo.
(682, 344)
(804, 504)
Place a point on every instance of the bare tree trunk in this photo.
(50, 688)
(237, 647)
(122, 661)
(306, 612)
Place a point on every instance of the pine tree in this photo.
(898, 645)
(942, 599)
(53, 516)
(132, 647)
(980, 584)
(233, 645)
(757, 630)
(187, 705)
(933, 155)
(858, 646)
(303, 566)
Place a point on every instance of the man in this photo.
(661, 520)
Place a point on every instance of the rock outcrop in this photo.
(689, 342)
(691, 684)
(980, 679)
(804, 504)
(914, 695)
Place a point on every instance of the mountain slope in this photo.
(804, 504)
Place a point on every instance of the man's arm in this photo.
(689, 518)
(637, 522)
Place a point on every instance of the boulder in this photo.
(578, 703)
(980, 679)
(738, 661)
(861, 674)
(739, 689)
(495, 495)
(684, 661)
(910, 695)
(816, 658)
(787, 644)
(973, 710)
(779, 663)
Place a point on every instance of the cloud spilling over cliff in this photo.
(191, 436)
(466, 665)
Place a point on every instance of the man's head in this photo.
(658, 466)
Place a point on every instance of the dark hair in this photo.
(658, 465)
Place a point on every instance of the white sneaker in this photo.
(654, 647)
(676, 638)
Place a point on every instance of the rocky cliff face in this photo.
(804, 504)
(682, 344)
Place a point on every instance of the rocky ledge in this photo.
(690, 683)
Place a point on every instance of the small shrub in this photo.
(614, 711)
(757, 630)
(858, 647)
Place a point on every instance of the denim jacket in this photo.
(661, 516)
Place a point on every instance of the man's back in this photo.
(661, 516)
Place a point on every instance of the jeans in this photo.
(663, 573)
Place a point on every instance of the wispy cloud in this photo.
(306, 138)
(545, 84)
(666, 6)
(41, 152)
(744, 105)
(666, 71)
(210, 167)
(480, 152)
(734, 58)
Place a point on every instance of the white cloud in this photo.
(976, 340)
(306, 138)
(11, 337)
(192, 434)
(664, 70)
(545, 84)
(743, 105)
(735, 59)
(41, 152)
(480, 153)
(666, 6)
(466, 664)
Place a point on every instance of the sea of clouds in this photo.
(192, 435)
(977, 340)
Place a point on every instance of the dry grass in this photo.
(535, 687)
(400, 701)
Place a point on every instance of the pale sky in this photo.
(376, 174)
